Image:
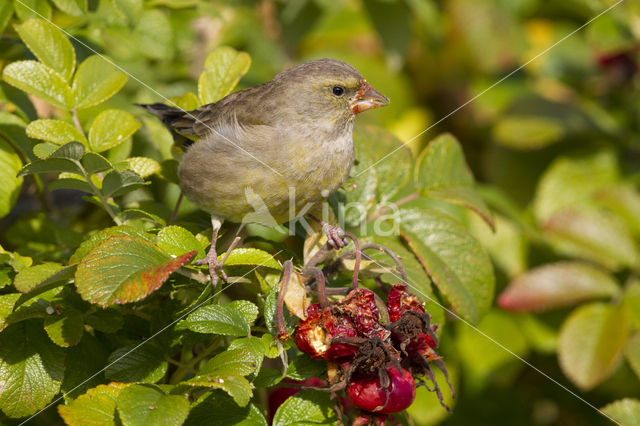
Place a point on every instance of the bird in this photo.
(267, 152)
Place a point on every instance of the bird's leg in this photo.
(211, 258)
(335, 234)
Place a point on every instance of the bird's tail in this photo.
(169, 115)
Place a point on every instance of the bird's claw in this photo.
(335, 236)
(215, 267)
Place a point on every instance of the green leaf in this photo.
(50, 165)
(111, 128)
(153, 35)
(6, 10)
(188, 102)
(26, 9)
(304, 367)
(591, 342)
(10, 165)
(441, 173)
(130, 9)
(49, 45)
(124, 269)
(247, 309)
(624, 200)
(55, 131)
(528, 132)
(143, 404)
(7, 302)
(223, 69)
(631, 301)
(254, 346)
(557, 285)
(595, 235)
(136, 363)
(118, 183)
(454, 260)
(28, 278)
(221, 407)
(217, 319)
(502, 328)
(96, 407)
(143, 166)
(371, 144)
(31, 369)
(87, 358)
(175, 240)
(571, 182)
(305, 408)
(44, 150)
(624, 411)
(45, 282)
(94, 163)
(65, 326)
(233, 362)
(237, 387)
(72, 7)
(251, 256)
(39, 80)
(632, 353)
(96, 80)
(105, 320)
(103, 235)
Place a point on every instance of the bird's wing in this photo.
(243, 106)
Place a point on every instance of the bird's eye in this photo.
(337, 90)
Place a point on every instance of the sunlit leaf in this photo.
(632, 353)
(251, 256)
(217, 319)
(10, 165)
(625, 411)
(49, 45)
(313, 406)
(56, 131)
(72, 7)
(591, 342)
(31, 369)
(39, 80)
(124, 269)
(65, 326)
(26, 9)
(175, 240)
(144, 166)
(239, 388)
(222, 70)
(153, 35)
(594, 235)
(441, 172)
(110, 128)
(556, 285)
(131, 9)
(96, 407)
(138, 404)
(528, 132)
(96, 80)
(454, 260)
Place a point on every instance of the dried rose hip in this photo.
(314, 335)
(360, 306)
(367, 393)
(410, 323)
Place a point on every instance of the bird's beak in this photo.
(367, 98)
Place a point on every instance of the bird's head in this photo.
(329, 90)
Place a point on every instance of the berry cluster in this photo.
(375, 351)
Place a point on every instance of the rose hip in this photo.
(314, 335)
(367, 393)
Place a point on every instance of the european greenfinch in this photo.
(264, 153)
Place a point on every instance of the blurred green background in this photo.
(554, 146)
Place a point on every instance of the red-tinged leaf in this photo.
(96, 407)
(557, 285)
(124, 269)
(591, 343)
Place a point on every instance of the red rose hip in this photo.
(367, 393)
